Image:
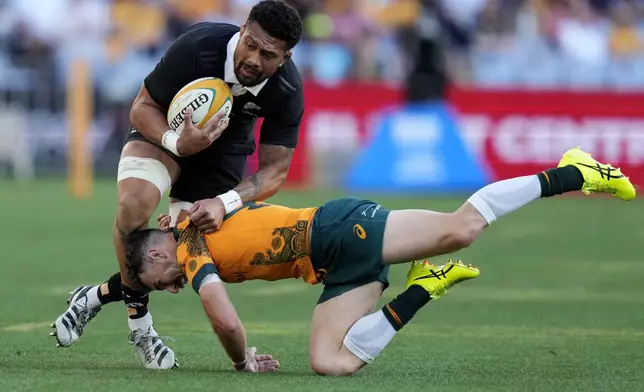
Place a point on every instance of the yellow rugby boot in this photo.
(436, 280)
(598, 177)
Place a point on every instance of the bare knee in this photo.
(334, 365)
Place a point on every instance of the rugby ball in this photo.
(205, 97)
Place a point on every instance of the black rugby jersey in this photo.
(206, 50)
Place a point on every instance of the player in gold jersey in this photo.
(347, 245)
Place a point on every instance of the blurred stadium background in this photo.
(519, 80)
(424, 100)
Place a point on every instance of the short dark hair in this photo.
(137, 245)
(279, 20)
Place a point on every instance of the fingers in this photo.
(194, 208)
(210, 131)
(267, 366)
(216, 120)
(220, 128)
(223, 124)
(164, 221)
(263, 362)
(216, 125)
(206, 228)
(165, 224)
(204, 221)
(197, 215)
(206, 215)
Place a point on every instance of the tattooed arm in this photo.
(278, 138)
(274, 162)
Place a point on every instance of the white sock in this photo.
(143, 323)
(369, 336)
(92, 298)
(500, 198)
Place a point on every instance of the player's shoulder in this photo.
(209, 33)
(287, 79)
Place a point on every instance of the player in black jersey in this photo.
(208, 163)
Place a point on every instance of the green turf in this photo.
(557, 307)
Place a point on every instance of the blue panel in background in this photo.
(416, 149)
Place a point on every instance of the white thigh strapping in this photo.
(147, 169)
(175, 210)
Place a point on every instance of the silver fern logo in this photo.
(251, 109)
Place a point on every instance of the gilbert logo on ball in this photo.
(205, 97)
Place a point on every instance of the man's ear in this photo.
(242, 28)
(156, 255)
(287, 56)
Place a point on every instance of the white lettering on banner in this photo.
(415, 137)
(475, 131)
(518, 139)
(418, 169)
(415, 130)
(635, 145)
(507, 137)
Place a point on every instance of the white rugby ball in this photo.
(205, 97)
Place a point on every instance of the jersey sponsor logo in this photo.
(195, 104)
(192, 265)
(359, 231)
(373, 213)
(603, 172)
(321, 274)
(436, 274)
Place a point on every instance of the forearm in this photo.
(234, 342)
(148, 118)
(261, 185)
(274, 162)
(224, 320)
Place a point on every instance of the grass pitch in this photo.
(558, 307)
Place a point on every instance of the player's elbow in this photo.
(333, 367)
(135, 110)
(139, 112)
